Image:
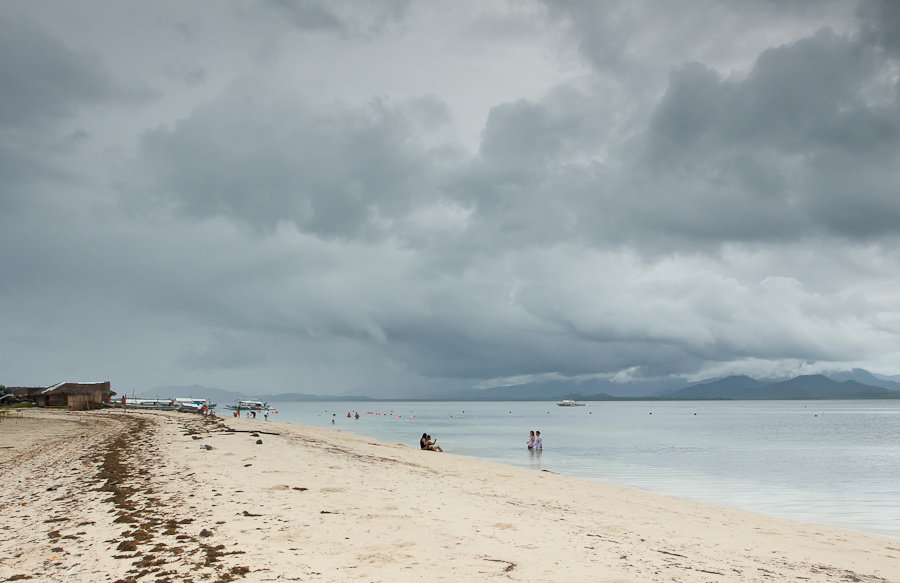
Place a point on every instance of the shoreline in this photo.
(158, 496)
(683, 450)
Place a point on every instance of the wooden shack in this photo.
(74, 396)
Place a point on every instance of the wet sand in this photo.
(167, 497)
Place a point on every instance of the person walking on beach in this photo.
(530, 443)
(538, 442)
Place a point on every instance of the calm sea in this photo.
(827, 462)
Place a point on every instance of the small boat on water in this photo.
(248, 404)
(569, 403)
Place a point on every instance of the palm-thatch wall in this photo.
(74, 396)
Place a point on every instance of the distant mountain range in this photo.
(804, 387)
(854, 384)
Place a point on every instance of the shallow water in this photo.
(827, 462)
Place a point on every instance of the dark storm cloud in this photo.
(42, 80)
(225, 351)
(791, 148)
(656, 190)
(521, 139)
(802, 145)
(322, 16)
(881, 24)
(44, 86)
(330, 173)
(309, 15)
(806, 141)
(536, 171)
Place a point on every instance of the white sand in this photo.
(321, 505)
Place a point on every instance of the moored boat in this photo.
(569, 403)
(248, 404)
(190, 404)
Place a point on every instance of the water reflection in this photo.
(534, 456)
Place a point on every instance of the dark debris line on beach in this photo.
(123, 474)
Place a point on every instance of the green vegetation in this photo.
(25, 405)
(7, 410)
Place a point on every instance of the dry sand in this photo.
(165, 497)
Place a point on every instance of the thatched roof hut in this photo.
(75, 396)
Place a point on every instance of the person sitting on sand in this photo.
(530, 443)
(426, 443)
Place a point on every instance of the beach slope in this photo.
(167, 497)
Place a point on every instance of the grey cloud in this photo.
(603, 29)
(309, 15)
(779, 148)
(42, 80)
(189, 75)
(44, 86)
(690, 108)
(740, 158)
(225, 352)
(536, 169)
(340, 18)
(261, 163)
(794, 90)
(806, 141)
(792, 95)
(615, 37)
(658, 209)
(519, 139)
(881, 24)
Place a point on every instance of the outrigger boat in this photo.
(248, 404)
(141, 403)
(192, 404)
(189, 404)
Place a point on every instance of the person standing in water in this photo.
(530, 442)
(538, 442)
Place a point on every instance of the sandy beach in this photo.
(162, 497)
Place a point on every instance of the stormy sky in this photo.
(401, 198)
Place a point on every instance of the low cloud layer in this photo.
(412, 199)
